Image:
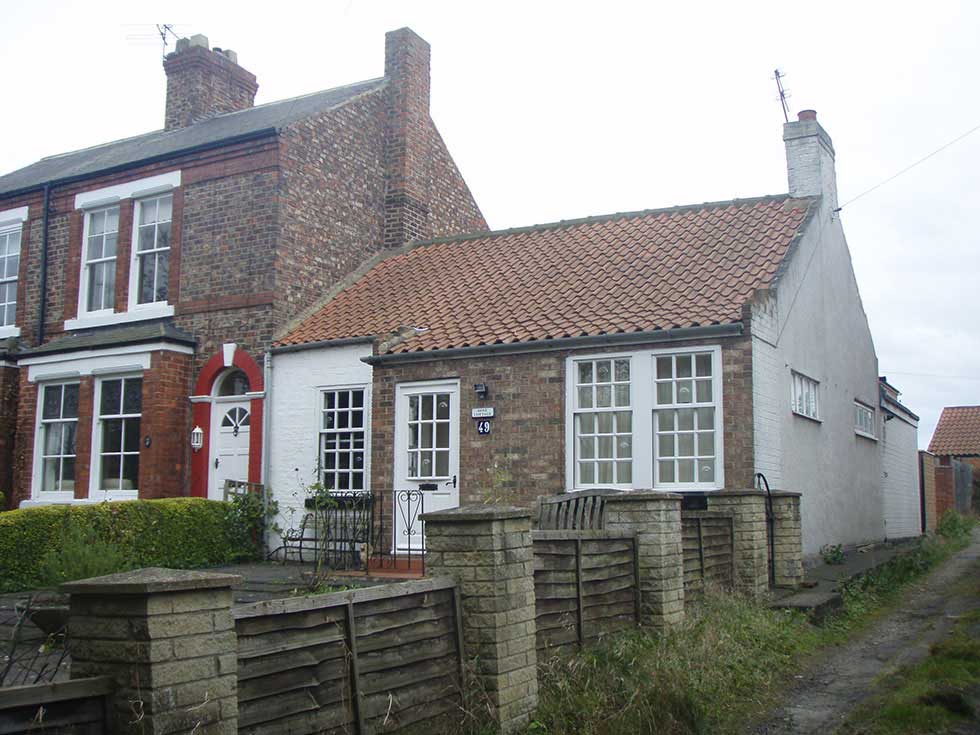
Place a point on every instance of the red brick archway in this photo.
(212, 370)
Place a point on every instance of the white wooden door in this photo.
(426, 456)
(230, 426)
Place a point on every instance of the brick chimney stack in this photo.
(203, 82)
(407, 130)
(810, 159)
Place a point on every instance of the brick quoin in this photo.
(527, 444)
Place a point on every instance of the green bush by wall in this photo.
(172, 532)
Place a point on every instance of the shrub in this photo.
(81, 554)
(172, 532)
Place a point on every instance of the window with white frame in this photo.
(99, 264)
(9, 267)
(684, 420)
(58, 433)
(428, 436)
(864, 420)
(343, 435)
(806, 396)
(603, 421)
(120, 410)
(151, 250)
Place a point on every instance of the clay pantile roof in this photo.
(633, 272)
(958, 431)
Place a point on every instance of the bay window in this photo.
(120, 408)
(57, 433)
(649, 418)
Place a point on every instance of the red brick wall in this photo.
(945, 488)
(202, 83)
(527, 443)
(928, 467)
(9, 392)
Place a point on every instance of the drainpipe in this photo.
(42, 308)
(266, 441)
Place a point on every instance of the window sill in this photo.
(9, 332)
(808, 418)
(870, 437)
(50, 499)
(123, 317)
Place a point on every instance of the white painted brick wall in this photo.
(766, 392)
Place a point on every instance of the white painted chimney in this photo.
(810, 159)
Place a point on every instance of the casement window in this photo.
(647, 419)
(98, 292)
(150, 268)
(805, 396)
(864, 420)
(9, 267)
(603, 423)
(343, 438)
(117, 435)
(684, 420)
(57, 438)
(429, 419)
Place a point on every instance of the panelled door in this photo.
(230, 428)
(426, 456)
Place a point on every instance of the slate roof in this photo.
(958, 431)
(632, 272)
(125, 334)
(164, 143)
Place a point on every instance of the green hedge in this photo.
(172, 532)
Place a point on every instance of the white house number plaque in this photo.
(483, 427)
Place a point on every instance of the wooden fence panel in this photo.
(585, 586)
(707, 542)
(365, 661)
(77, 706)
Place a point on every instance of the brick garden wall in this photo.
(524, 457)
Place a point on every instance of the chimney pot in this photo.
(198, 39)
(807, 115)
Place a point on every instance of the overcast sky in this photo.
(562, 110)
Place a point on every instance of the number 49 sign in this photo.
(482, 427)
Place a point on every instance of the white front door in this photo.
(230, 422)
(426, 456)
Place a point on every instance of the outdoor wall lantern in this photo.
(197, 438)
(481, 389)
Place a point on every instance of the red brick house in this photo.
(681, 349)
(142, 281)
(955, 445)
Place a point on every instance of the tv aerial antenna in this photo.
(783, 94)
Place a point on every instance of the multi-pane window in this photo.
(342, 438)
(120, 408)
(864, 419)
(152, 252)
(59, 427)
(603, 422)
(805, 396)
(9, 266)
(428, 435)
(684, 419)
(101, 235)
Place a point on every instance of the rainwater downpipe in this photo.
(266, 442)
(42, 307)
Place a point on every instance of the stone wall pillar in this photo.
(748, 509)
(168, 640)
(787, 539)
(655, 518)
(487, 550)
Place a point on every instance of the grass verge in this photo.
(719, 669)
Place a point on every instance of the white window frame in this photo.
(13, 220)
(96, 491)
(799, 382)
(643, 402)
(594, 410)
(5, 231)
(319, 431)
(859, 406)
(38, 495)
(135, 254)
(83, 294)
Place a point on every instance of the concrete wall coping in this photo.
(786, 494)
(476, 513)
(628, 495)
(149, 581)
(737, 493)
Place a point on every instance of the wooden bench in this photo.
(575, 511)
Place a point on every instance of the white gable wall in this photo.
(813, 322)
(297, 379)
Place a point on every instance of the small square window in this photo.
(864, 420)
(806, 400)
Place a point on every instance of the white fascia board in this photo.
(13, 216)
(129, 190)
(129, 358)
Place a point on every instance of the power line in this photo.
(911, 166)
